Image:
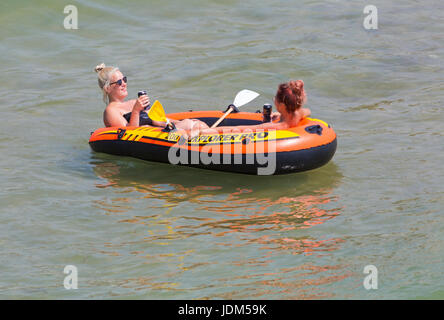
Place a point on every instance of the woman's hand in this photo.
(138, 107)
(275, 116)
(141, 103)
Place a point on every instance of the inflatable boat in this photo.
(244, 150)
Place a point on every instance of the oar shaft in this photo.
(222, 118)
(243, 97)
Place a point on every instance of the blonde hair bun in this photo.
(100, 67)
(104, 75)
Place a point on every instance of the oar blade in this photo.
(242, 98)
(156, 112)
(245, 96)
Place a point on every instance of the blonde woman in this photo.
(121, 113)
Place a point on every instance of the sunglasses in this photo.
(119, 82)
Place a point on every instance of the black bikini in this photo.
(143, 118)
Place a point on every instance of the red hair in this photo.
(291, 94)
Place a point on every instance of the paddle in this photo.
(157, 113)
(242, 98)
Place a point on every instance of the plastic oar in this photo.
(157, 112)
(242, 98)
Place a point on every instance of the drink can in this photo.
(267, 112)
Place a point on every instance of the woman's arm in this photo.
(113, 118)
(138, 107)
(305, 112)
(160, 124)
(135, 118)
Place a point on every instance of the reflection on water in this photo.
(217, 222)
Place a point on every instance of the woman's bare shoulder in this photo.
(120, 107)
(305, 112)
(113, 105)
(111, 108)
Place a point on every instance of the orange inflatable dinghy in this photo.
(252, 151)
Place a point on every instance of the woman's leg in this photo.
(191, 124)
(200, 124)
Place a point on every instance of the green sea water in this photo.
(142, 230)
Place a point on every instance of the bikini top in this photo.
(143, 118)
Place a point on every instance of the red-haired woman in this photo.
(289, 99)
